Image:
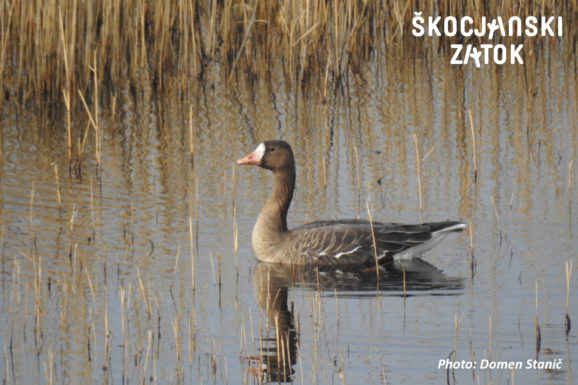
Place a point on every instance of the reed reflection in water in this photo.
(97, 279)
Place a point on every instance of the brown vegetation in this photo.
(54, 50)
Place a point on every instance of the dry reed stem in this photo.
(177, 257)
(66, 97)
(31, 206)
(433, 147)
(176, 335)
(145, 295)
(570, 192)
(50, 45)
(475, 167)
(49, 368)
(192, 255)
(37, 267)
(57, 182)
(5, 27)
(97, 134)
(418, 176)
(191, 136)
(66, 91)
(370, 216)
(106, 351)
(497, 214)
(149, 343)
(244, 42)
(457, 323)
(93, 118)
(474, 150)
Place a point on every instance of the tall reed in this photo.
(51, 50)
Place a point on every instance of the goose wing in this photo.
(355, 241)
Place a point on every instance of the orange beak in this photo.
(253, 158)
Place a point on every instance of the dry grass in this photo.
(58, 50)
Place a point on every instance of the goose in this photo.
(330, 242)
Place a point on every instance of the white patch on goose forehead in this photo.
(260, 151)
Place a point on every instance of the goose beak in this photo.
(254, 158)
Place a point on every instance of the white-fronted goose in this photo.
(345, 241)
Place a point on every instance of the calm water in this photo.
(97, 281)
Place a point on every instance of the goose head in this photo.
(274, 155)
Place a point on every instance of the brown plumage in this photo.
(336, 242)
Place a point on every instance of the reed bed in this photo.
(58, 51)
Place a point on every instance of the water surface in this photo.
(98, 284)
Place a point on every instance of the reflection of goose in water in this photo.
(273, 281)
(278, 354)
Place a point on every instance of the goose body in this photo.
(335, 242)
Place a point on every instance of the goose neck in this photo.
(274, 214)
